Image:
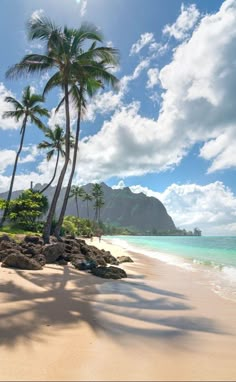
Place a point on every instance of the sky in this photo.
(169, 131)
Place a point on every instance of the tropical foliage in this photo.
(26, 210)
(28, 110)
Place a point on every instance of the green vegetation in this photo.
(98, 197)
(80, 65)
(76, 193)
(25, 211)
(28, 109)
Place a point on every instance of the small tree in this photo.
(87, 198)
(77, 192)
(26, 209)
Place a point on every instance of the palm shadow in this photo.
(68, 298)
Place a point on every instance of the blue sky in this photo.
(169, 131)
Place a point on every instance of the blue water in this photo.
(210, 250)
(214, 255)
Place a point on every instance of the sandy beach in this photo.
(161, 323)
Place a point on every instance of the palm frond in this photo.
(37, 122)
(55, 80)
(31, 63)
(17, 105)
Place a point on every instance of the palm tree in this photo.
(87, 198)
(55, 145)
(97, 194)
(77, 192)
(88, 80)
(62, 50)
(29, 110)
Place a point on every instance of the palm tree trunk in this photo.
(87, 210)
(48, 224)
(65, 201)
(14, 172)
(55, 171)
(77, 206)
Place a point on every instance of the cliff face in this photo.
(122, 208)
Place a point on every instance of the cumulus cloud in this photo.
(153, 77)
(83, 7)
(7, 159)
(8, 123)
(145, 39)
(212, 207)
(185, 22)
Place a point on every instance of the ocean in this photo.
(215, 256)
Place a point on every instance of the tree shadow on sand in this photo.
(67, 298)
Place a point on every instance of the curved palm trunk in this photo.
(55, 171)
(63, 210)
(48, 224)
(14, 172)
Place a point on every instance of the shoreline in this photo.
(160, 323)
(220, 279)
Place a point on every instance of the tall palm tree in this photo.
(62, 51)
(91, 76)
(87, 198)
(29, 110)
(77, 192)
(97, 194)
(55, 146)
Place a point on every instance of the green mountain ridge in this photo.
(122, 208)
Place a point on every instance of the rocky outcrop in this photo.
(21, 262)
(33, 255)
(53, 252)
(124, 259)
(109, 272)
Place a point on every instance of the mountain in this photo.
(122, 208)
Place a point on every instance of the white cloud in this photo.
(7, 159)
(83, 7)
(119, 186)
(211, 207)
(37, 13)
(145, 39)
(6, 123)
(185, 22)
(153, 77)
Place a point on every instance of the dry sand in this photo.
(161, 323)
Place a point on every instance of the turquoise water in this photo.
(214, 256)
(209, 250)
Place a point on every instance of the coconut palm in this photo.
(97, 194)
(54, 146)
(87, 198)
(76, 193)
(27, 110)
(62, 50)
(91, 77)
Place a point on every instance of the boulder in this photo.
(61, 261)
(124, 259)
(41, 259)
(52, 252)
(109, 272)
(33, 239)
(83, 265)
(5, 237)
(109, 258)
(4, 253)
(21, 262)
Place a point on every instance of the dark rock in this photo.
(52, 252)
(5, 238)
(61, 261)
(124, 259)
(33, 239)
(83, 265)
(4, 253)
(109, 272)
(21, 262)
(109, 258)
(40, 259)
